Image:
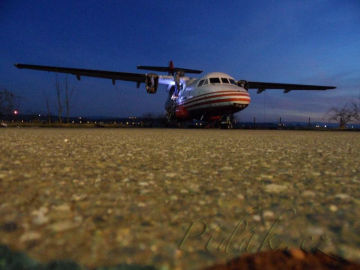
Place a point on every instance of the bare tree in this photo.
(348, 113)
(7, 100)
(68, 96)
(64, 95)
(59, 101)
(47, 106)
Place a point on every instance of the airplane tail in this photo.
(170, 69)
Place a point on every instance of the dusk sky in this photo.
(285, 41)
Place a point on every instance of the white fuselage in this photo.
(210, 97)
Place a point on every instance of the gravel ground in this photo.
(177, 199)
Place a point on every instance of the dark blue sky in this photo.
(309, 42)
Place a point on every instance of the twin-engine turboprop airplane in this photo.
(214, 97)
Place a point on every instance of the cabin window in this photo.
(214, 80)
(232, 81)
(201, 83)
(224, 80)
(205, 82)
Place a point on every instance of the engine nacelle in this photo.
(151, 83)
(243, 84)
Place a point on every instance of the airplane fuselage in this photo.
(214, 95)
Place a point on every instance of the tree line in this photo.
(63, 94)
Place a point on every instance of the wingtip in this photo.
(17, 65)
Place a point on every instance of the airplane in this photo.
(213, 98)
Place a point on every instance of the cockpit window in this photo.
(232, 81)
(205, 82)
(224, 80)
(214, 80)
(201, 83)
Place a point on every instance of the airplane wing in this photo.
(262, 86)
(113, 75)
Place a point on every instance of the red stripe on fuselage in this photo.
(215, 94)
(221, 91)
(218, 101)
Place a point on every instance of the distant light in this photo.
(39, 115)
(16, 112)
(325, 126)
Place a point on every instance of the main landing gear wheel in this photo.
(227, 122)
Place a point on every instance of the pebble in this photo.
(266, 176)
(39, 216)
(143, 184)
(333, 208)
(240, 196)
(141, 204)
(226, 168)
(268, 214)
(275, 188)
(297, 253)
(78, 197)
(123, 236)
(63, 207)
(62, 226)
(342, 196)
(30, 236)
(308, 193)
(315, 230)
(40, 219)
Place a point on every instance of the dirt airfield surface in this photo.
(177, 199)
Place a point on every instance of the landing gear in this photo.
(170, 105)
(227, 121)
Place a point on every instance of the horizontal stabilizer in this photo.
(169, 69)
